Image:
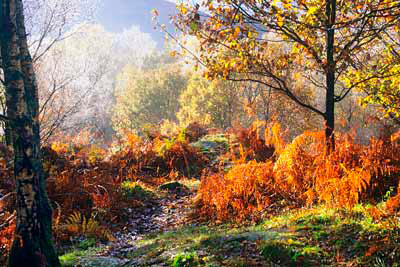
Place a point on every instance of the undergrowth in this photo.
(259, 174)
(94, 190)
(302, 173)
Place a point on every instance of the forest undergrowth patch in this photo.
(301, 173)
(239, 179)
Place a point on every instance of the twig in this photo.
(6, 196)
(9, 219)
(4, 118)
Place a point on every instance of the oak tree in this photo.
(383, 93)
(322, 40)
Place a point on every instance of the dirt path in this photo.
(169, 212)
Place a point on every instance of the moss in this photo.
(173, 186)
(87, 243)
(135, 190)
(73, 257)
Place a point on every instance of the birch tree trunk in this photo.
(33, 244)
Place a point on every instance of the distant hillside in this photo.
(115, 15)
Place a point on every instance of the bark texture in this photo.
(33, 244)
(330, 75)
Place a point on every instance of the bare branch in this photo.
(8, 220)
(284, 91)
(4, 118)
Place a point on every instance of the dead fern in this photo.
(78, 225)
(304, 174)
(243, 192)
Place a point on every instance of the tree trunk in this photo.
(330, 76)
(33, 244)
(7, 135)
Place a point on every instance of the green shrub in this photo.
(185, 260)
(134, 190)
(87, 243)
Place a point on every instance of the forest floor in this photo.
(165, 234)
(237, 210)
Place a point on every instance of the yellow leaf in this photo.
(237, 32)
(312, 10)
(183, 9)
(172, 53)
(155, 12)
(280, 20)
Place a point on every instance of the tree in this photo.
(33, 244)
(77, 76)
(147, 97)
(48, 22)
(322, 40)
(271, 106)
(93, 57)
(214, 103)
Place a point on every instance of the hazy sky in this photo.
(177, 1)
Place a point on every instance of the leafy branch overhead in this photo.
(328, 42)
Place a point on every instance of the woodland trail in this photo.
(167, 212)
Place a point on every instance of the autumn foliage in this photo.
(303, 173)
(85, 182)
(242, 192)
(261, 173)
(88, 179)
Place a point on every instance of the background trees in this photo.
(147, 97)
(78, 76)
(47, 22)
(215, 103)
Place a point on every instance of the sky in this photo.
(117, 15)
(178, 1)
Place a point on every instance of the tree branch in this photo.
(8, 221)
(283, 91)
(4, 118)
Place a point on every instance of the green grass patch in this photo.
(73, 257)
(331, 234)
(316, 236)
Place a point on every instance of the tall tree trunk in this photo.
(330, 75)
(33, 244)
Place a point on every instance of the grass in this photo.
(341, 236)
(212, 145)
(317, 236)
(206, 246)
(73, 257)
(307, 237)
